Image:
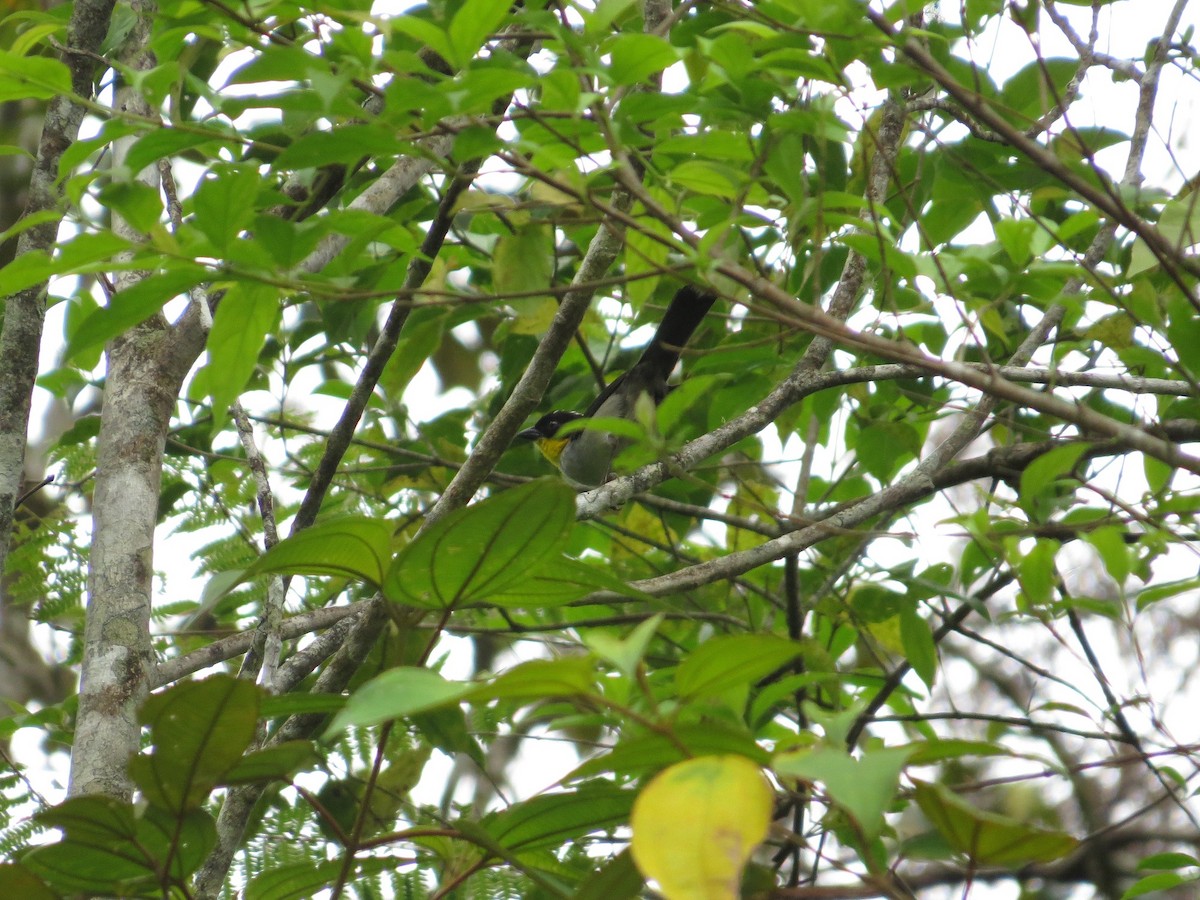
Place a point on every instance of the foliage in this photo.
(898, 573)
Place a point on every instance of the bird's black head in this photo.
(548, 425)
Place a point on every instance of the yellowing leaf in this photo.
(696, 824)
(521, 265)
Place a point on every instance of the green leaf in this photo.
(419, 339)
(694, 393)
(625, 653)
(85, 253)
(1016, 237)
(410, 690)
(616, 879)
(601, 18)
(18, 881)
(109, 847)
(558, 581)
(645, 253)
(446, 729)
(1036, 88)
(1036, 572)
(34, 35)
(731, 661)
(864, 788)
(25, 271)
(98, 849)
(224, 203)
(1048, 468)
(425, 33)
(472, 24)
(884, 448)
(1109, 542)
(343, 145)
(184, 840)
(396, 693)
(706, 177)
(880, 250)
(279, 706)
(164, 141)
(279, 761)
(919, 647)
(475, 553)
(986, 838)
(874, 603)
(923, 753)
(299, 881)
(32, 77)
(552, 819)
(132, 305)
(1160, 881)
(288, 242)
(199, 731)
(245, 315)
(294, 881)
(32, 220)
(540, 679)
(1178, 223)
(138, 203)
(635, 57)
(522, 263)
(1158, 473)
(1168, 861)
(352, 547)
(644, 753)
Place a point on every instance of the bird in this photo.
(585, 457)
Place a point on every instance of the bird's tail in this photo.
(686, 311)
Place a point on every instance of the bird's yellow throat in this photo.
(552, 448)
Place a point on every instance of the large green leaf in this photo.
(299, 881)
(246, 314)
(132, 305)
(540, 679)
(636, 57)
(484, 549)
(99, 849)
(474, 22)
(986, 838)
(398, 692)
(18, 881)
(551, 819)
(641, 753)
(32, 77)
(278, 761)
(352, 547)
(410, 690)
(864, 788)
(224, 204)
(199, 731)
(560, 580)
(109, 847)
(729, 662)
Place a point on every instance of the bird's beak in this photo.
(529, 434)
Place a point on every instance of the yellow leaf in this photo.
(887, 633)
(696, 824)
(534, 315)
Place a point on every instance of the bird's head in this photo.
(545, 433)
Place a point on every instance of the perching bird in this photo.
(585, 457)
